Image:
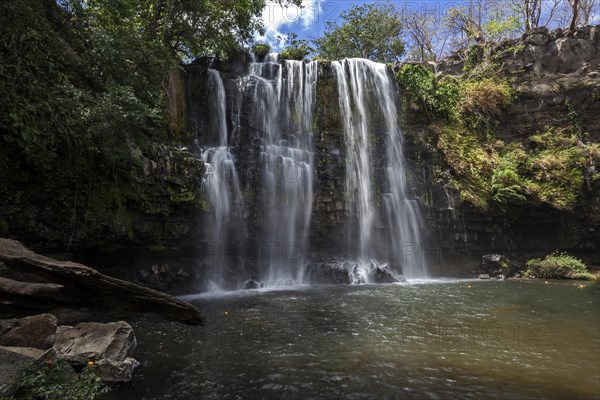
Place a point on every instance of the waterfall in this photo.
(368, 104)
(221, 186)
(283, 99)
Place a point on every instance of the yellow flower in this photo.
(90, 363)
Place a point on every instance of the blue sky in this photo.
(309, 21)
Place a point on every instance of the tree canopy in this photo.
(372, 31)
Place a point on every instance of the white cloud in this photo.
(276, 17)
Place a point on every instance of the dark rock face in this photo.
(37, 331)
(328, 273)
(546, 69)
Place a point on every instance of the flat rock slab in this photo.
(93, 341)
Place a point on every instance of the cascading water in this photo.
(283, 101)
(221, 186)
(366, 98)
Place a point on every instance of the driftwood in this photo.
(67, 284)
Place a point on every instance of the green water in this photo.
(439, 340)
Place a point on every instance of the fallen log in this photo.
(81, 287)
(16, 288)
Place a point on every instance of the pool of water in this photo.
(434, 340)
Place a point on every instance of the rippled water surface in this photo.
(437, 340)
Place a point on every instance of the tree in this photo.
(586, 7)
(574, 14)
(426, 35)
(536, 13)
(295, 48)
(370, 31)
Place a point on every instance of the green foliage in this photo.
(558, 265)
(58, 381)
(438, 97)
(296, 49)
(463, 113)
(473, 56)
(574, 119)
(472, 161)
(74, 97)
(261, 49)
(556, 167)
(371, 31)
(481, 102)
(187, 28)
(507, 186)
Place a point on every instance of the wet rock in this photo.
(483, 276)
(496, 264)
(37, 331)
(382, 275)
(251, 284)
(328, 273)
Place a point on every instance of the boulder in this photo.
(251, 284)
(10, 368)
(107, 345)
(116, 371)
(496, 264)
(37, 331)
(382, 275)
(328, 273)
(94, 341)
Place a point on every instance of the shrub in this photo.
(58, 381)
(294, 53)
(558, 265)
(261, 49)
